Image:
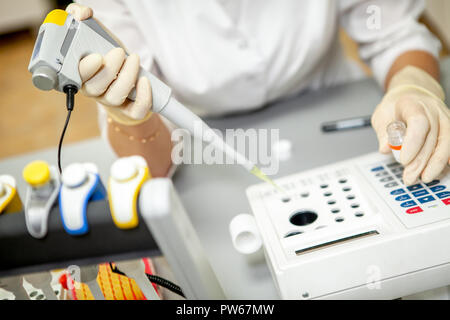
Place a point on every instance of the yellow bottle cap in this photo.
(36, 173)
(57, 17)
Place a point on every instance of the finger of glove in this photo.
(380, 121)
(412, 112)
(125, 82)
(79, 12)
(414, 169)
(89, 66)
(441, 154)
(139, 108)
(112, 63)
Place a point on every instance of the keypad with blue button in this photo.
(443, 195)
(437, 188)
(403, 197)
(408, 204)
(420, 193)
(432, 183)
(426, 199)
(398, 191)
(409, 197)
(415, 187)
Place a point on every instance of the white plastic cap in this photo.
(123, 169)
(8, 180)
(245, 234)
(282, 150)
(74, 175)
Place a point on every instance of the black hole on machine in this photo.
(303, 218)
(304, 194)
(293, 233)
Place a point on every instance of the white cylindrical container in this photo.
(245, 234)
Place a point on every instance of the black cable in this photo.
(69, 112)
(156, 280)
(166, 284)
(115, 270)
(70, 90)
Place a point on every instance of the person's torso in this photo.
(230, 56)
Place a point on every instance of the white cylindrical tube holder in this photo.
(245, 234)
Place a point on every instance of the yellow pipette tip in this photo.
(262, 176)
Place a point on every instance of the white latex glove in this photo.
(110, 79)
(415, 98)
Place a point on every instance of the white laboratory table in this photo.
(214, 194)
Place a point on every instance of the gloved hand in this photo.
(110, 79)
(417, 99)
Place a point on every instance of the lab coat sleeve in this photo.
(115, 15)
(385, 29)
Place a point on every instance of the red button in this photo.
(446, 201)
(414, 210)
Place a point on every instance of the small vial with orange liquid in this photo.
(396, 131)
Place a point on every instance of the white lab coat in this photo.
(223, 56)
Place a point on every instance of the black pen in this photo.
(346, 124)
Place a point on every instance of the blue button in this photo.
(420, 193)
(432, 183)
(437, 188)
(403, 197)
(415, 187)
(408, 204)
(426, 199)
(443, 195)
(377, 169)
(398, 191)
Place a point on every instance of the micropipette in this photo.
(63, 41)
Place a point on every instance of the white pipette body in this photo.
(186, 119)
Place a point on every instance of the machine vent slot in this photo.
(335, 242)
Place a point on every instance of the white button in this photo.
(282, 150)
(74, 175)
(123, 169)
